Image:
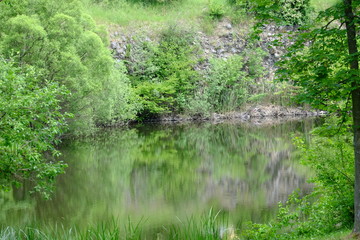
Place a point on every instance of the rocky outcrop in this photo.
(227, 40)
(270, 34)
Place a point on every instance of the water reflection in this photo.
(159, 172)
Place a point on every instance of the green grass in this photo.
(341, 235)
(190, 230)
(195, 13)
(210, 226)
(320, 5)
(124, 13)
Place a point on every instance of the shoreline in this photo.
(254, 113)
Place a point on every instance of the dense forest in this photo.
(71, 68)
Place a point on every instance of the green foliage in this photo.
(163, 73)
(289, 12)
(330, 206)
(227, 83)
(320, 68)
(226, 87)
(65, 46)
(154, 1)
(294, 12)
(31, 120)
(216, 10)
(145, 2)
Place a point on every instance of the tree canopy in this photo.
(66, 46)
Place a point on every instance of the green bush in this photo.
(31, 122)
(216, 10)
(227, 84)
(163, 74)
(294, 12)
(289, 12)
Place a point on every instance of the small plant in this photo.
(216, 10)
(294, 12)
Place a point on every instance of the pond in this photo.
(161, 174)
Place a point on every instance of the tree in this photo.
(324, 62)
(355, 95)
(66, 46)
(31, 121)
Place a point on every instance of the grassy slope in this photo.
(125, 13)
(333, 236)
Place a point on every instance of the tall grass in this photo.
(210, 226)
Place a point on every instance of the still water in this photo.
(163, 173)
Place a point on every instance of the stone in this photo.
(113, 45)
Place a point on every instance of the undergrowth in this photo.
(211, 226)
(329, 208)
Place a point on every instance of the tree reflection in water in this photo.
(163, 171)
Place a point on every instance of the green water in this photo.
(163, 173)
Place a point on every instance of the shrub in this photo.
(216, 10)
(290, 12)
(163, 74)
(227, 84)
(294, 12)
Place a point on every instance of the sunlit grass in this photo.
(320, 5)
(195, 12)
(124, 13)
(341, 235)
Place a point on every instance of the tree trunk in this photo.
(354, 67)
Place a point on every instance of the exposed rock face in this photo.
(270, 34)
(226, 41)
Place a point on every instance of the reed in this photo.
(210, 226)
